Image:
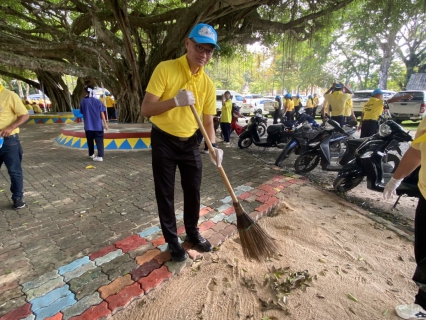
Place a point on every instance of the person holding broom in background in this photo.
(173, 87)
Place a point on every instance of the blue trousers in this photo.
(11, 156)
(226, 130)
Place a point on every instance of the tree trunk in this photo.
(56, 89)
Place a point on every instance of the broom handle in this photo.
(211, 149)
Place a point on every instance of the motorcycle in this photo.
(309, 132)
(336, 143)
(373, 160)
(276, 134)
(235, 126)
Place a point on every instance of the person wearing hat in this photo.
(372, 110)
(414, 157)
(278, 106)
(288, 107)
(334, 102)
(310, 106)
(226, 117)
(173, 87)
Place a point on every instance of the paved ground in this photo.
(73, 211)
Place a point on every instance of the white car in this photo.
(414, 109)
(362, 96)
(236, 98)
(256, 103)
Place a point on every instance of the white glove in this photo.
(219, 157)
(390, 188)
(184, 98)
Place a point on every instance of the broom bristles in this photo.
(256, 243)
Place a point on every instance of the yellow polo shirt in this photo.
(289, 105)
(11, 107)
(348, 108)
(225, 115)
(296, 101)
(316, 101)
(421, 130)
(372, 109)
(309, 104)
(337, 100)
(168, 78)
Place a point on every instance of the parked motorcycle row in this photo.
(334, 148)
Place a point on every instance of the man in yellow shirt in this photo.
(226, 117)
(316, 103)
(173, 87)
(349, 111)
(297, 105)
(310, 106)
(12, 114)
(335, 100)
(372, 110)
(414, 157)
(288, 107)
(109, 103)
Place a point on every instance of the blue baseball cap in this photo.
(204, 33)
(338, 86)
(377, 91)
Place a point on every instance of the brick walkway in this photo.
(89, 241)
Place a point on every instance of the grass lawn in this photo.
(410, 125)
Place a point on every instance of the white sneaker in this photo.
(410, 311)
(92, 156)
(98, 159)
(205, 151)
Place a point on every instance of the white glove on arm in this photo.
(390, 189)
(219, 156)
(184, 98)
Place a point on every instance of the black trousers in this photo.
(169, 152)
(226, 130)
(309, 111)
(111, 113)
(98, 137)
(420, 251)
(339, 119)
(314, 112)
(369, 128)
(290, 115)
(277, 115)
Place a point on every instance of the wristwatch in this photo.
(214, 144)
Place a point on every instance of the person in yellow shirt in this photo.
(414, 157)
(316, 103)
(310, 106)
(349, 113)
(288, 107)
(109, 103)
(173, 87)
(226, 117)
(334, 102)
(372, 110)
(36, 108)
(297, 104)
(12, 115)
(28, 105)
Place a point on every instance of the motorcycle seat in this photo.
(356, 142)
(274, 128)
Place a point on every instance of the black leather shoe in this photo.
(200, 241)
(177, 252)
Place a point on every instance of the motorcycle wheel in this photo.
(261, 129)
(283, 156)
(306, 162)
(344, 184)
(244, 142)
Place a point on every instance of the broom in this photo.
(256, 243)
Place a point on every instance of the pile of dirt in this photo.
(334, 263)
